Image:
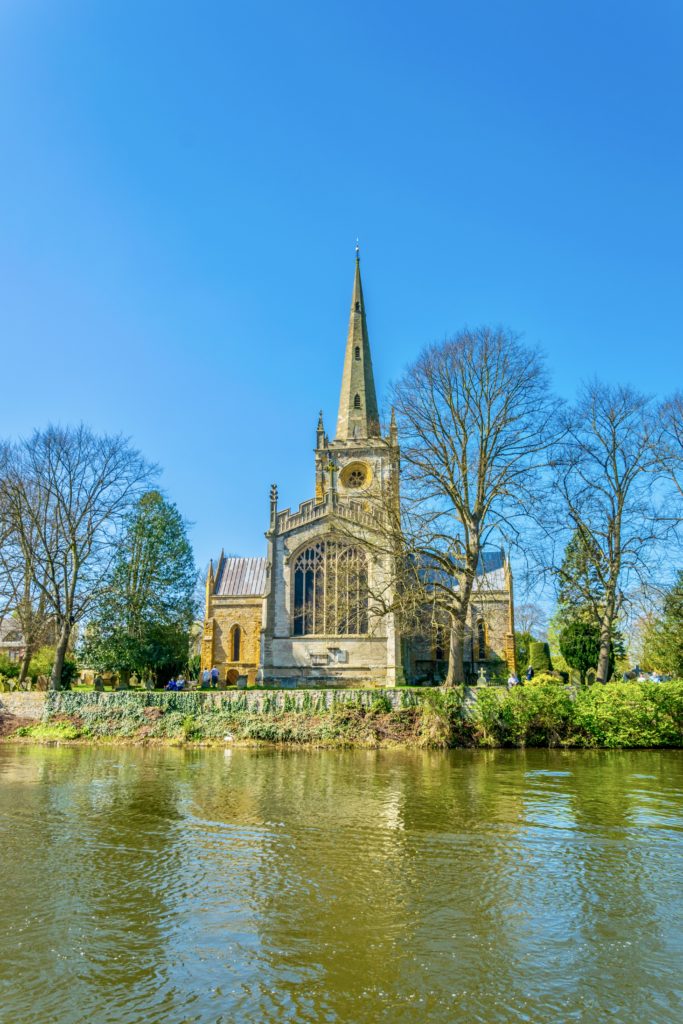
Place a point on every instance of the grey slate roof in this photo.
(241, 577)
(490, 572)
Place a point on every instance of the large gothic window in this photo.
(330, 590)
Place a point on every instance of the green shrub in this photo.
(51, 731)
(539, 656)
(41, 665)
(381, 705)
(8, 668)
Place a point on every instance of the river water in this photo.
(150, 885)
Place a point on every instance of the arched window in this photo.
(357, 305)
(330, 590)
(235, 643)
(481, 640)
(356, 402)
(440, 643)
(357, 352)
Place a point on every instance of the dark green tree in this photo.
(581, 599)
(143, 623)
(580, 645)
(580, 593)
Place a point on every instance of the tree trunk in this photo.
(25, 662)
(602, 674)
(60, 654)
(456, 653)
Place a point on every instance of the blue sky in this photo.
(182, 184)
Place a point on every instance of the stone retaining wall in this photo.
(32, 705)
(23, 705)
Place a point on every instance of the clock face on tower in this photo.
(356, 476)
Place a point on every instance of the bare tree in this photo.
(604, 472)
(19, 593)
(531, 618)
(670, 450)
(66, 492)
(475, 419)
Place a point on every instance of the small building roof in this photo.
(10, 632)
(241, 577)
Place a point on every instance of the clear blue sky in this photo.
(182, 184)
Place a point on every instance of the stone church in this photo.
(307, 613)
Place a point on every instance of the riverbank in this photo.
(626, 715)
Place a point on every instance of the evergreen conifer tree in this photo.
(143, 623)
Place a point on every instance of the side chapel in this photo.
(304, 614)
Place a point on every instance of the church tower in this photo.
(323, 623)
(359, 463)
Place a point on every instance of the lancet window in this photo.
(330, 590)
(481, 640)
(235, 643)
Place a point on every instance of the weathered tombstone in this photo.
(98, 684)
(241, 682)
(149, 684)
(123, 683)
(482, 678)
(134, 681)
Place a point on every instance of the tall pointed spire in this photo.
(358, 416)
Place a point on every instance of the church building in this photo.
(316, 610)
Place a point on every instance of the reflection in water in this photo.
(359, 886)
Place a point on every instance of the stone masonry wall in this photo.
(226, 613)
(32, 705)
(23, 705)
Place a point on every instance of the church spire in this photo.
(358, 416)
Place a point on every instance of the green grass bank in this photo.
(543, 715)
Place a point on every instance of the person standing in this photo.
(214, 677)
(206, 679)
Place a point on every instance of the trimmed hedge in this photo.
(539, 656)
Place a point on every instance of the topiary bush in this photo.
(539, 656)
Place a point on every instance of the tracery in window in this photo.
(356, 478)
(330, 590)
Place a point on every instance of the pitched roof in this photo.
(241, 577)
(490, 572)
(10, 632)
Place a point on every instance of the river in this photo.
(183, 886)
